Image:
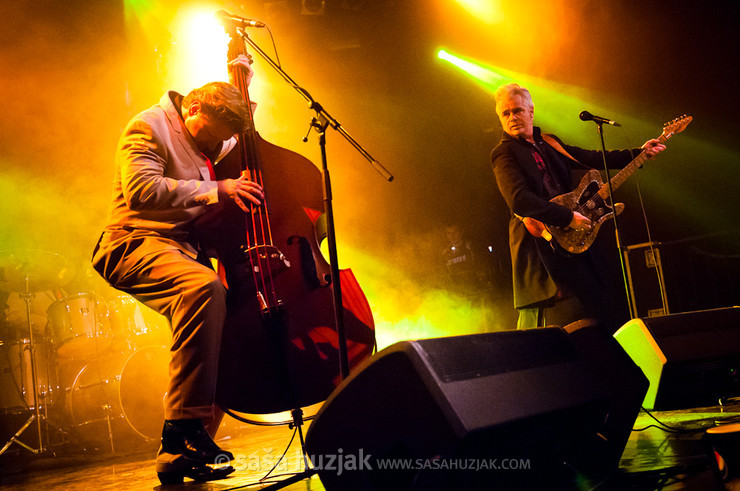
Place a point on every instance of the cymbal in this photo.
(33, 270)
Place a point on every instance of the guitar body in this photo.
(585, 199)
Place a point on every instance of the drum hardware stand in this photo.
(107, 406)
(37, 416)
(108, 424)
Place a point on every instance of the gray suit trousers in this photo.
(164, 275)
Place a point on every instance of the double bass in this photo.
(280, 343)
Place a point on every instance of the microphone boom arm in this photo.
(313, 104)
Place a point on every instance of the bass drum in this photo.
(117, 402)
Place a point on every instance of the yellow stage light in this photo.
(487, 11)
(201, 48)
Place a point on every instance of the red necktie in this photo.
(210, 167)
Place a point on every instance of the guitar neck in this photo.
(628, 170)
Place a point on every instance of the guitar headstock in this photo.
(676, 126)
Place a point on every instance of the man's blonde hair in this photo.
(510, 90)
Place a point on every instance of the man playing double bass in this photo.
(163, 181)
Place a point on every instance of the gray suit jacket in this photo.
(161, 184)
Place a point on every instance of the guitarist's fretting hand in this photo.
(653, 147)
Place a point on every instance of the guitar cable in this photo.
(656, 258)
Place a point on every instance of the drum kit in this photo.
(94, 373)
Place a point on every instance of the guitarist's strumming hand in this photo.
(579, 222)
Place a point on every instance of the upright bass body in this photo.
(283, 355)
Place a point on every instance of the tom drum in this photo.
(80, 325)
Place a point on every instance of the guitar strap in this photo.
(557, 146)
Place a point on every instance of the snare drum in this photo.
(120, 397)
(16, 376)
(80, 325)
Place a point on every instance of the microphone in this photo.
(227, 19)
(587, 116)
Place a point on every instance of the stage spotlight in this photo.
(483, 74)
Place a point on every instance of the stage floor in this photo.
(653, 459)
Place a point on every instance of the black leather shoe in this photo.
(188, 437)
(199, 473)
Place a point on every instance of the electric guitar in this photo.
(590, 199)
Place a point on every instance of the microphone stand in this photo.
(320, 122)
(620, 248)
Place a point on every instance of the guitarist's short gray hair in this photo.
(512, 89)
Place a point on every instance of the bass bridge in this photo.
(265, 260)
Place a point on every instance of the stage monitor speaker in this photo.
(691, 359)
(513, 408)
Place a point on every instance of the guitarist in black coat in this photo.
(530, 169)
